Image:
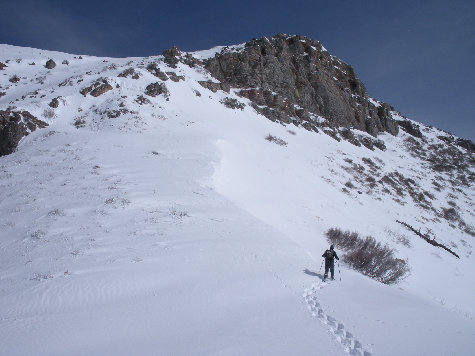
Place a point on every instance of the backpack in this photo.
(329, 254)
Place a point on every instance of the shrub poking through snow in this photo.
(14, 79)
(369, 257)
(276, 140)
(48, 113)
(179, 214)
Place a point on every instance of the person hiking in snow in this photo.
(330, 256)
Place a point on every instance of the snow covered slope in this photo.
(158, 220)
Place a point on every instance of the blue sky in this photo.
(418, 56)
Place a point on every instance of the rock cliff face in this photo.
(297, 79)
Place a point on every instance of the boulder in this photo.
(50, 64)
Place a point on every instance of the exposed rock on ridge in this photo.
(304, 79)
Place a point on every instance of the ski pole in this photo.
(320, 267)
(320, 270)
(339, 270)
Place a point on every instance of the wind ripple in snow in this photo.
(344, 337)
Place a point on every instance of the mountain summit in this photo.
(180, 203)
(299, 79)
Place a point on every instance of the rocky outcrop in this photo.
(155, 70)
(54, 102)
(175, 77)
(14, 125)
(156, 89)
(467, 144)
(100, 87)
(172, 56)
(214, 87)
(190, 61)
(460, 142)
(274, 106)
(129, 72)
(301, 73)
(410, 128)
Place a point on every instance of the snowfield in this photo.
(177, 228)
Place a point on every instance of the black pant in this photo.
(329, 266)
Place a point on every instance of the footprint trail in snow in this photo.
(343, 336)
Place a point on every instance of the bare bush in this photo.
(345, 240)
(427, 238)
(399, 238)
(49, 113)
(369, 257)
(115, 201)
(56, 212)
(179, 214)
(41, 277)
(450, 214)
(38, 234)
(80, 122)
(14, 79)
(276, 140)
(350, 185)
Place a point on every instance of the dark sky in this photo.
(418, 56)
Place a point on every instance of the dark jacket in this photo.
(330, 255)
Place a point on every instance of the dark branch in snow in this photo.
(427, 238)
